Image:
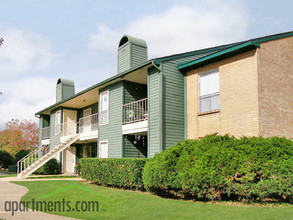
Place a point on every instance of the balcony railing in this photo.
(88, 124)
(135, 111)
(46, 133)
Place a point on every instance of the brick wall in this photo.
(276, 87)
(239, 103)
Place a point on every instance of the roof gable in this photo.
(237, 48)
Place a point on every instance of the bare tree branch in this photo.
(1, 41)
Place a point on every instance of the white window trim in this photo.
(59, 123)
(100, 143)
(199, 95)
(100, 103)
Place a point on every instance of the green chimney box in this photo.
(132, 51)
(64, 89)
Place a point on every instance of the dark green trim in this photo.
(120, 75)
(247, 45)
(69, 108)
(161, 108)
(218, 55)
(191, 53)
(148, 121)
(185, 108)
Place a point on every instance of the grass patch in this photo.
(123, 204)
(8, 175)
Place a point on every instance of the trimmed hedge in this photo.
(124, 172)
(223, 167)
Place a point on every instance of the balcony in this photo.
(86, 127)
(135, 116)
(46, 133)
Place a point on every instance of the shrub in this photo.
(51, 167)
(125, 172)
(6, 159)
(223, 167)
(20, 154)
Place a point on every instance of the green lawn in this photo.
(121, 204)
(8, 175)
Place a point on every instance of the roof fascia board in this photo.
(247, 44)
(108, 81)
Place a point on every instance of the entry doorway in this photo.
(69, 160)
(87, 120)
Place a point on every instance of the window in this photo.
(209, 99)
(104, 107)
(103, 149)
(57, 122)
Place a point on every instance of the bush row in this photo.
(223, 167)
(126, 173)
(213, 168)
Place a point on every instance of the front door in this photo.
(69, 160)
(87, 120)
(69, 125)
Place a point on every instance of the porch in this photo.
(86, 127)
(135, 117)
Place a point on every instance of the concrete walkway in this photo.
(13, 192)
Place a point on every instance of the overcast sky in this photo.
(78, 40)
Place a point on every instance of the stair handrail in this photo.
(32, 155)
(25, 157)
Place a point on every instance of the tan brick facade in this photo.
(255, 90)
(276, 87)
(238, 113)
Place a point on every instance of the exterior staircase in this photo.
(33, 161)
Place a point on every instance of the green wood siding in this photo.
(124, 55)
(130, 149)
(63, 92)
(138, 55)
(134, 91)
(173, 130)
(112, 131)
(154, 142)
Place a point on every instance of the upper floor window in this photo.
(209, 99)
(58, 122)
(104, 108)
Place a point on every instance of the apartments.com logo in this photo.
(44, 205)
(51, 206)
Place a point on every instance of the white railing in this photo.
(135, 111)
(88, 123)
(33, 156)
(46, 133)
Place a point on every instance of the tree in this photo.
(1, 41)
(19, 135)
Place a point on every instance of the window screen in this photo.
(209, 99)
(104, 105)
